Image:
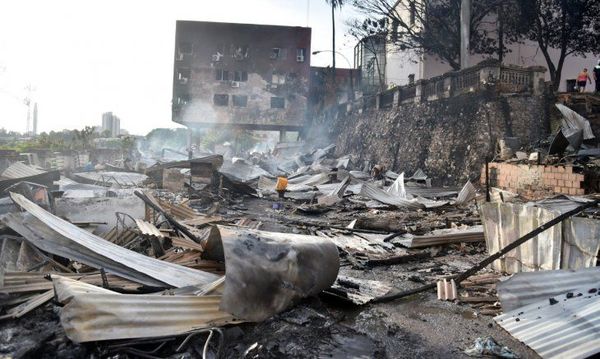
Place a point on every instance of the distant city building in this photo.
(249, 76)
(111, 123)
(35, 119)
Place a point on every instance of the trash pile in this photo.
(220, 256)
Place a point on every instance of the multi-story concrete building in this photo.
(111, 123)
(243, 75)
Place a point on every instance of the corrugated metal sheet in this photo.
(526, 288)
(57, 236)
(131, 179)
(44, 178)
(569, 328)
(573, 244)
(20, 170)
(466, 194)
(92, 313)
(572, 119)
(148, 228)
(370, 191)
(442, 237)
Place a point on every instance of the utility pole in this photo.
(465, 32)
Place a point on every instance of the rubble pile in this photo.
(287, 253)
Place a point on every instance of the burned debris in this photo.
(240, 243)
(415, 205)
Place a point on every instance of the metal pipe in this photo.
(469, 272)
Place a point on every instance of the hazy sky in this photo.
(88, 57)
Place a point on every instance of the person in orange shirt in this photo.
(582, 80)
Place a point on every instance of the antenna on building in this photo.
(307, 11)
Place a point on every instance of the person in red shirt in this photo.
(582, 80)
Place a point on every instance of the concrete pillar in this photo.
(396, 102)
(282, 135)
(448, 86)
(419, 92)
(537, 78)
(465, 32)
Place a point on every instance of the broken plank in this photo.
(398, 259)
(492, 299)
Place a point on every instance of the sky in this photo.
(83, 57)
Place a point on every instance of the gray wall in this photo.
(449, 138)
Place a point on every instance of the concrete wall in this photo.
(205, 48)
(449, 138)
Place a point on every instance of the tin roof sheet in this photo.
(566, 327)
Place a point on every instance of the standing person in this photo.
(597, 76)
(582, 80)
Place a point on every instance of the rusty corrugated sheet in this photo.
(565, 326)
(573, 244)
(148, 229)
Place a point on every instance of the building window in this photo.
(240, 76)
(275, 53)
(411, 79)
(278, 79)
(277, 102)
(183, 75)
(300, 53)
(222, 75)
(239, 52)
(185, 47)
(221, 100)
(182, 99)
(239, 100)
(413, 12)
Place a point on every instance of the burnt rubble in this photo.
(294, 252)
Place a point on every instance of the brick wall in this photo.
(534, 181)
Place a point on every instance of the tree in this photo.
(334, 5)
(430, 27)
(569, 26)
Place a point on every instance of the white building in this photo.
(402, 67)
(111, 123)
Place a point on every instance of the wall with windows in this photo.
(255, 76)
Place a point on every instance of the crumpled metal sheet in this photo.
(466, 194)
(57, 236)
(568, 326)
(266, 272)
(130, 179)
(530, 287)
(370, 191)
(92, 313)
(241, 171)
(572, 119)
(573, 244)
(148, 229)
(397, 188)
